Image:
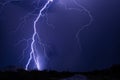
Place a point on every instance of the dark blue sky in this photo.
(99, 42)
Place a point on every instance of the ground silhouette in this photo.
(112, 73)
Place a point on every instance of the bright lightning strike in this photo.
(32, 53)
(33, 49)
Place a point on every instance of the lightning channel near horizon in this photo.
(32, 53)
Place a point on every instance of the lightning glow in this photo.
(32, 53)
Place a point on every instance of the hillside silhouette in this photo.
(112, 73)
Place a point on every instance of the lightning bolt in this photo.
(35, 34)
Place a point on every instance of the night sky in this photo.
(99, 43)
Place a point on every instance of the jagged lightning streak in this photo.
(32, 53)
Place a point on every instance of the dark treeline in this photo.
(112, 73)
(21, 74)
